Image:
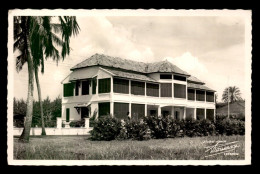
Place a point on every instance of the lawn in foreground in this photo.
(80, 148)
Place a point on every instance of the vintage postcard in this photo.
(129, 87)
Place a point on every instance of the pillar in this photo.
(112, 108)
(159, 111)
(184, 113)
(145, 110)
(59, 122)
(194, 116)
(205, 116)
(87, 123)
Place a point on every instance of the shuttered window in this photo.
(200, 113)
(94, 85)
(200, 95)
(152, 89)
(165, 76)
(85, 87)
(137, 88)
(166, 90)
(191, 94)
(68, 89)
(103, 109)
(210, 96)
(179, 91)
(181, 78)
(104, 85)
(121, 86)
(137, 111)
(210, 114)
(121, 110)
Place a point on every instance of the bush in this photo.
(136, 129)
(160, 126)
(105, 128)
(78, 123)
(229, 126)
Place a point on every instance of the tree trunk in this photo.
(29, 110)
(40, 99)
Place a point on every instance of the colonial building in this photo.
(102, 85)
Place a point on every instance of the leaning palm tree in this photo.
(35, 38)
(231, 94)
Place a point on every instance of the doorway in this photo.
(84, 112)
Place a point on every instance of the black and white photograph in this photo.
(129, 87)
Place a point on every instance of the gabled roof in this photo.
(199, 86)
(129, 75)
(195, 80)
(130, 65)
(164, 66)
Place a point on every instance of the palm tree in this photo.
(231, 94)
(35, 38)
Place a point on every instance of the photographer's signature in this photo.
(221, 147)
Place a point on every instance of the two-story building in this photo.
(102, 85)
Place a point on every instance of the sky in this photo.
(211, 48)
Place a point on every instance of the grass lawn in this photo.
(80, 148)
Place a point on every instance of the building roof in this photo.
(194, 80)
(199, 86)
(125, 64)
(130, 75)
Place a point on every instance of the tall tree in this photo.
(35, 38)
(231, 94)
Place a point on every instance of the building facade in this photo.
(103, 85)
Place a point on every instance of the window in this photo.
(191, 94)
(67, 114)
(166, 90)
(121, 86)
(77, 85)
(137, 111)
(210, 96)
(103, 109)
(84, 112)
(94, 85)
(121, 110)
(137, 88)
(210, 114)
(200, 114)
(165, 76)
(152, 89)
(85, 87)
(104, 85)
(200, 95)
(181, 78)
(68, 89)
(153, 112)
(179, 91)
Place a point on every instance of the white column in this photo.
(214, 114)
(129, 87)
(59, 122)
(112, 86)
(112, 108)
(205, 97)
(87, 123)
(159, 111)
(194, 116)
(184, 113)
(130, 108)
(205, 116)
(145, 110)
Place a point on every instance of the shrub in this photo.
(78, 123)
(136, 129)
(105, 128)
(229, 126)
(205, 128)
(160, 126)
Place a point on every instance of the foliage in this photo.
(136, 129)
(105, 128)
(160, 126)
(231, 94)
(229, 126)
(51, 110)
(78, 123)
